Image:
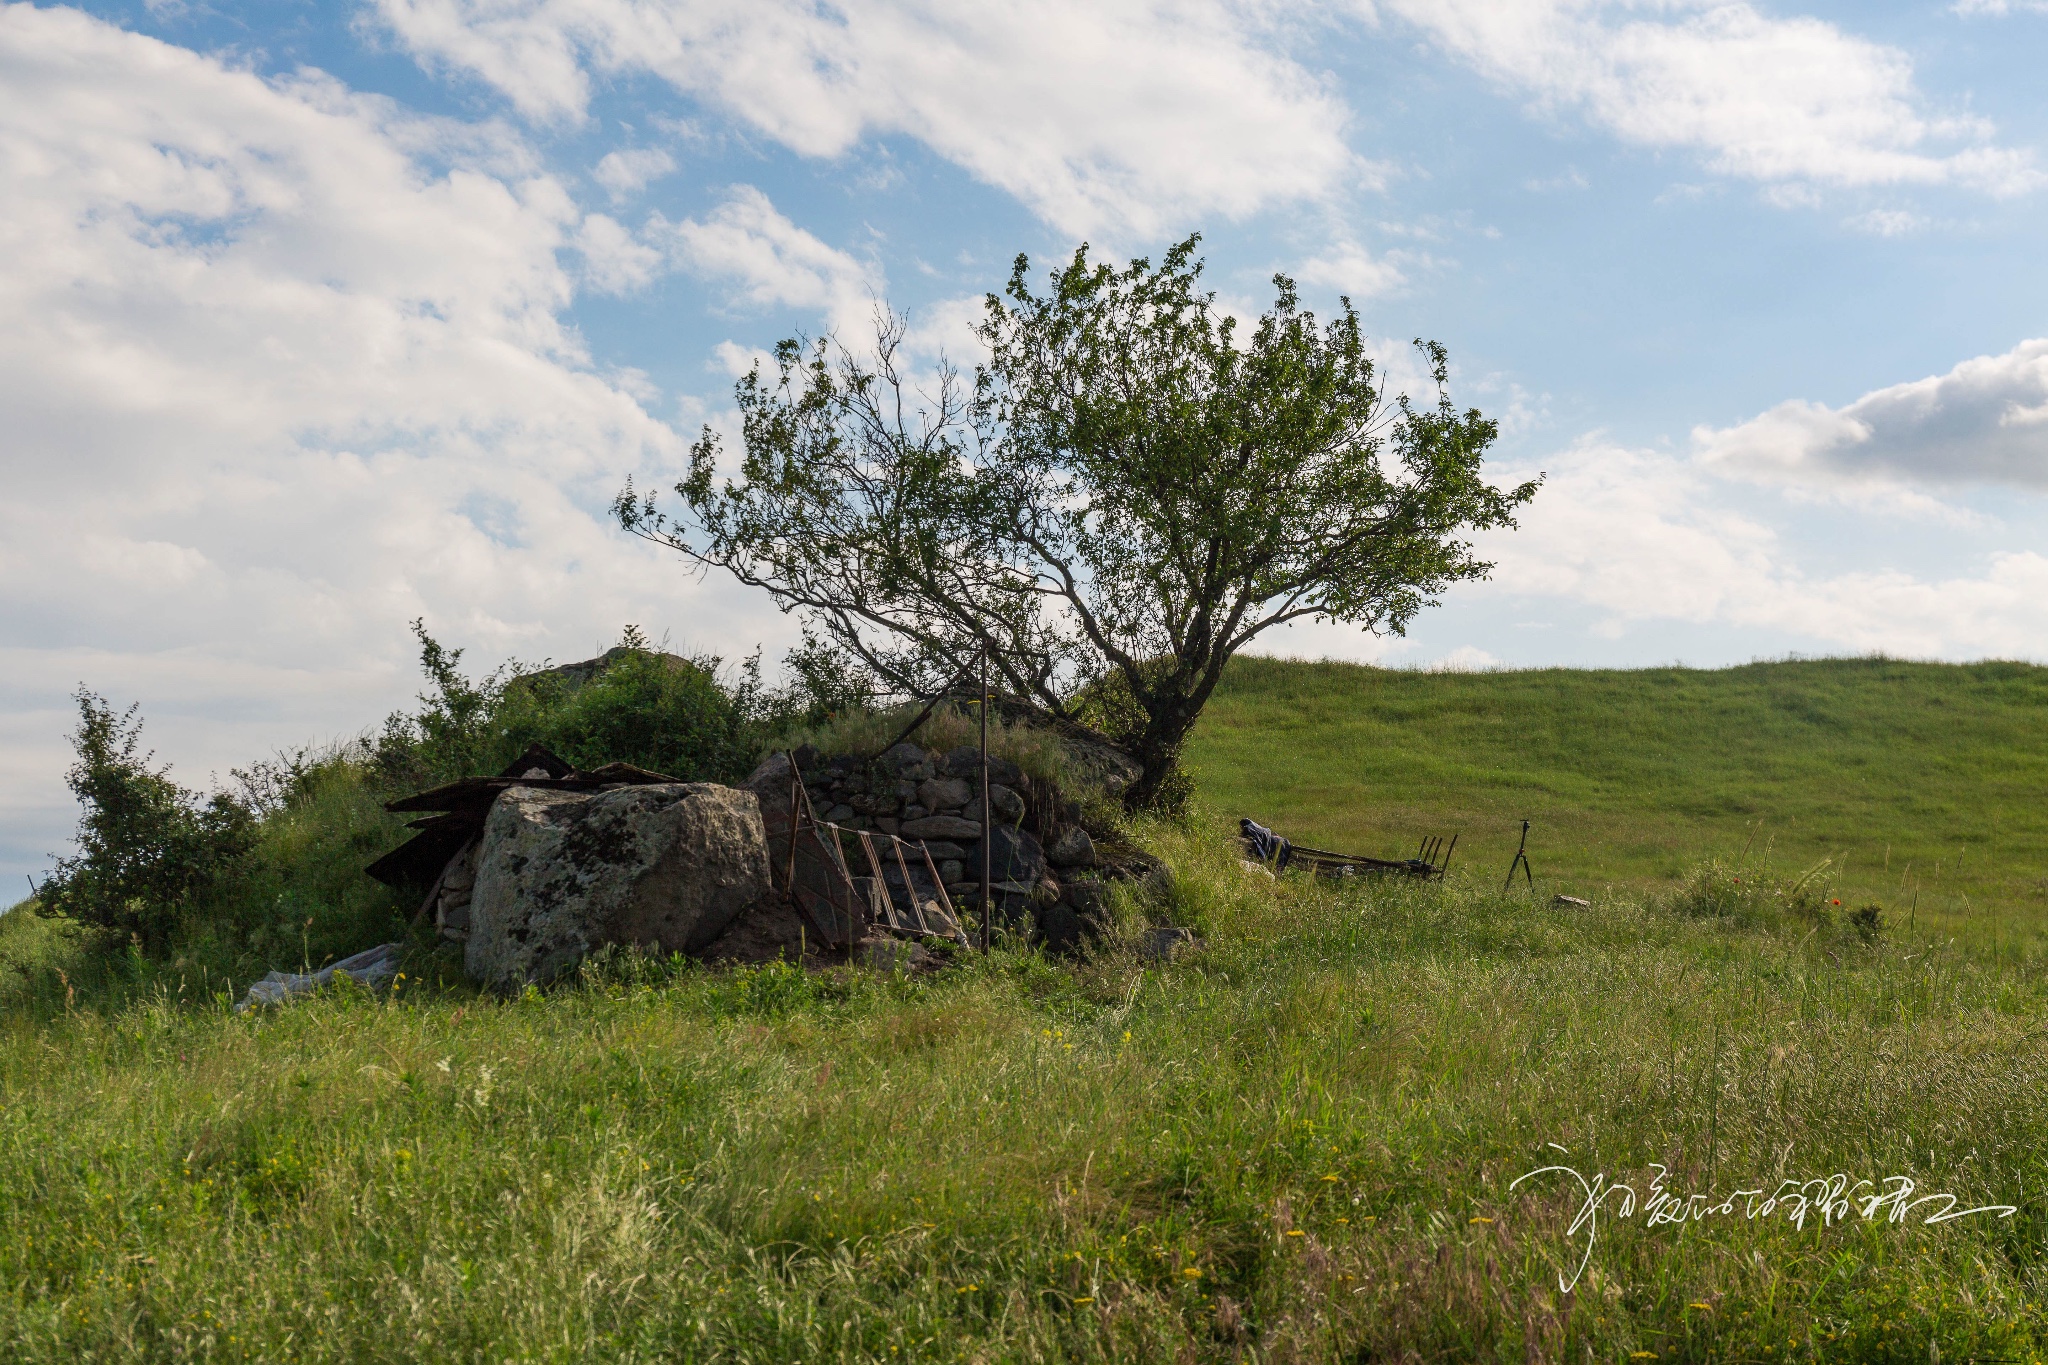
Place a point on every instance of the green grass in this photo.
(1924, 782)
(1023, 1159)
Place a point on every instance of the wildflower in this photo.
(1329, 1179)
(1296, 1232)
(1704, 1307)
(1193, 1272)
(1478, 1220)
(967, 1289)
(1085, 1298)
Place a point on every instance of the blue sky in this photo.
(322, 317)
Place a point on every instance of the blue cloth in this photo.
(1264, 844)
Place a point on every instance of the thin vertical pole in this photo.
(988, 905)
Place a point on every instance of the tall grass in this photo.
(1296, 1142)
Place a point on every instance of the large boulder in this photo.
(665, 867)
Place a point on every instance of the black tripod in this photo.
(1521, 861)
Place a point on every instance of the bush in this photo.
(149, 850)
(641, 706)
(654, 710)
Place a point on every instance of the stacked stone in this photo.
(934, 799)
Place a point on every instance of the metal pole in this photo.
(987, 829)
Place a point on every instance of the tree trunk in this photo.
(1161, 787)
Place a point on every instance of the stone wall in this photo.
(1044, 867)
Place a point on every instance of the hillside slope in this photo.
(1926, 780)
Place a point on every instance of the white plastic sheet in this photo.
(374, 967)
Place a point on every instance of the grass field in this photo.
(1300, 1142)
(1926, 783)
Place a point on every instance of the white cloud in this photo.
(1642, 536)
(614, 260)
(1998, 9)
(1887, 223)
(1118, 115)
(1776, 100)
(284, 369)
(626, 172)
(1351, 269)
(770, 262)
(1985, 421)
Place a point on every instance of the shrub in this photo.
(654, 710)
(149, 849)
(641, 706)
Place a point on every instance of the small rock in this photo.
(839, 814)
(874, 803)
(941, 850)
(1253, 869)
(942, 827)
(952, 870)
(1005, 804)
(904, 791)
(1573, 901)
(1058, 926)
(1072, 849)
(1084, 896)
(1163, 945)
(942, 792)
(888, 824)
(913, 811)
(901, 756)
(890, 955)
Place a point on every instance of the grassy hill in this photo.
(1927, 783)
(1304, 1141)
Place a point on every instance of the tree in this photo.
(149, 850)
(1125, 498)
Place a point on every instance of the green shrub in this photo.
(149, 849)
(641, 706)
(653, 710)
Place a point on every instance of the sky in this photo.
(317, 318)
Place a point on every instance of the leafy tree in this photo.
(1129, 493)
(149, 850)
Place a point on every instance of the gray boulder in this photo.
(1072, 849)
(1014, 856)
(943, 793)
(902, 757)
(1004, 804)
(665, 868)
(942, 827)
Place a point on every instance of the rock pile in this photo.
(1045, 869)
(537, 867)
